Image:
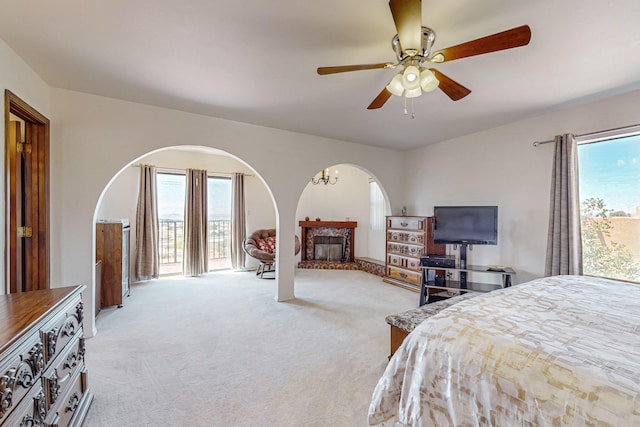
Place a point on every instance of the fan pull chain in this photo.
(406, 112)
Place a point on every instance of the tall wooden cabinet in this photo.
(112, 249)
(408, 238)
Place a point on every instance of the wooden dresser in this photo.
(408, 238)
(43, 378)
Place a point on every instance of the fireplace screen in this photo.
(328, 248)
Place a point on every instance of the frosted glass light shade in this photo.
(395, 85)
(413, 93)
(428, 81)
(411, 78)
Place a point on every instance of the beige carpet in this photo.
(220, 351)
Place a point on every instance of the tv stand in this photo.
(463, 264)
(463, 284)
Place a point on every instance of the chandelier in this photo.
(325, 178)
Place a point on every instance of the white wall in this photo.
(348, 198)
(17, 77)
(120, 199)
(500, 167)
(94, 138)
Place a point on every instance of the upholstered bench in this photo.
(403, 323)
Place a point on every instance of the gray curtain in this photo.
(147, 256)
(238, 221)
(194, 252)
(564, 241)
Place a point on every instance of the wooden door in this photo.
(26, 196)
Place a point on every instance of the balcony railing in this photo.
(172, 238)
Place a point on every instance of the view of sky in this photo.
(171, 197)
(610, 170)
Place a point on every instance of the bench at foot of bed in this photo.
(403, 323)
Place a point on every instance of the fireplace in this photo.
(328, 248)
(334, 238)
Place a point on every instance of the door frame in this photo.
(37, 199)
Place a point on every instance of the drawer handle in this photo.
(404, 224)
(73, 403)
(72, 361)
(403, 275)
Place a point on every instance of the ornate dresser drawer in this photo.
(57, 377)
(31, 411)
(62, 329)
(42, 369)
(71, 403)
(406, 223)
(20, 370)
(402, 262)
(404, 275)
(405, 237)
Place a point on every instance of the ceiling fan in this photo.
(412, 46)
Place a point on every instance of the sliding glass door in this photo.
(171, 198)
(219, 224)
(171, 202)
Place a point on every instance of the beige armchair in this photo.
(261, 245)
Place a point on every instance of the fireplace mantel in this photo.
(329, 224)
(307, 233)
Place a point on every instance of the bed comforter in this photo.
(559, 351)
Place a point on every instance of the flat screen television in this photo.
(472, 225)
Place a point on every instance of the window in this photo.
(609, 180)
(376, 207)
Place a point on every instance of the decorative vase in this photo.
(306, 218)
(318, 219)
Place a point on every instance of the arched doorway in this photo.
(119, 199)
(349, 199)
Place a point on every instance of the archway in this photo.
(118, 198)
(347, 199)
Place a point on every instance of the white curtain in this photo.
(238, 221)
(564, 240)
(195, 255)
(147, 238)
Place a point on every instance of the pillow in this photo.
(267, 244)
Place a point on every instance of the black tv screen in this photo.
(473, 225)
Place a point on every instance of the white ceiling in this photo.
(255, 60)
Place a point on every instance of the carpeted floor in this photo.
(220, 351)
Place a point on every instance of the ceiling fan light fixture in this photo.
(395, 85)
(411, 78)
(428, 81)
(413, 93)
(437, 58)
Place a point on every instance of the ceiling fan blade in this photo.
(344, 68)
(515, 37)
(407, 15)
(450, 87)
(380, 99)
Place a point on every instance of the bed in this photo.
(558, 351)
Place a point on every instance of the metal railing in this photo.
(172, 238)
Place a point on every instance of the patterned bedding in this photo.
(558, 351)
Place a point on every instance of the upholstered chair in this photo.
(261, 245)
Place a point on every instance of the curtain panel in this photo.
(238, 222)
(195, 255)
(564, 239)
(147, 238)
